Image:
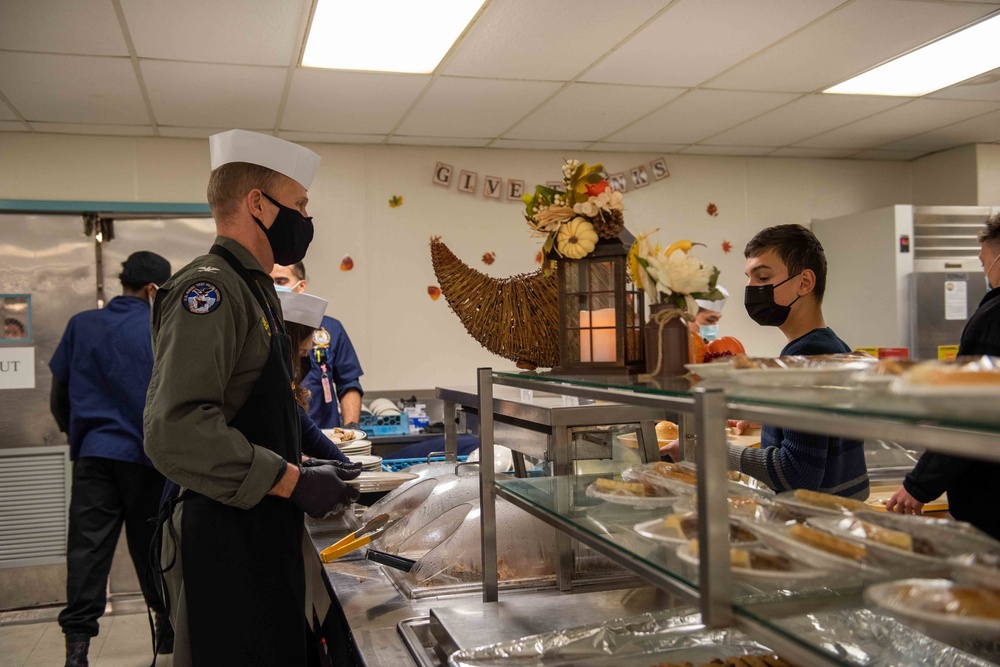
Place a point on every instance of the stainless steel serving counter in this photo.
(374, 607)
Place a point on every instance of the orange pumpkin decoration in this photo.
(725, 346)
(696, 349)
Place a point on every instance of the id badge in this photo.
(327, 392)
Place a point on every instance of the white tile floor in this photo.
(123, 641)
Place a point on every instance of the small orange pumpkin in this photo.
(696, 349)
(720, 346)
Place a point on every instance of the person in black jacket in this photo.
(973, 486)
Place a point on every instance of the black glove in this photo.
(349, 470)
(320, 491)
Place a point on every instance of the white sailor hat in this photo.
(304, 309)
(714, 305)
(296, 162)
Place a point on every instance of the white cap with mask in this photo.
(714, 305)
(296, 162)
(304, 309)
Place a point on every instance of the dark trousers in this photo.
(106, 494)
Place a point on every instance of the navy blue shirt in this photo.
(790, 460)
(105, 358)
(332, 355)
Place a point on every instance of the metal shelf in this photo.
(710, 408)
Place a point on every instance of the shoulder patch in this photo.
(321, 338)
(201, 298)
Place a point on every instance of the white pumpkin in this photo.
(576, 239)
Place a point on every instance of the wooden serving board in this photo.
(881, 494)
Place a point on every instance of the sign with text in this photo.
(17, 368)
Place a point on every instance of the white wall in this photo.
(988, 174)
(947, 178)
(403, 338)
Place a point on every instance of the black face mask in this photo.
(290, 234)
(760, 305)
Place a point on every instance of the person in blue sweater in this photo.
(786, 270)
(100, 374)
(334, 378)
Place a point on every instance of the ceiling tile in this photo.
(6, 113)
(699, 114)
(553, 40)
(978, 130)
(541, 145)
(814, 152)
(332, 138)
(983, 87)
(77, 89)
(200, 94)
(895, 124)
(458, 107)
(847, 42)
(193, 132)
(696, 39)
(888, 155)
(241, 32)
(438, 141)
(12, 126)
(636, 148)
(734, 151)
(805, 117)
(82, 27)
(349, 102)
(83, 128)
(591, 111)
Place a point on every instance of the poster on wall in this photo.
(17, 368)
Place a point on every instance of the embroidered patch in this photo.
(201, 298)
(321, 337)
(267, 327)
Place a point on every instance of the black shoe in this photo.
(164, 635)
(76, 652)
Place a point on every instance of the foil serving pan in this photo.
(858, 636)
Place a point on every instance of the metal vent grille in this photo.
(944, 233)
(34, 497)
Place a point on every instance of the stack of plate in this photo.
(356, 448)
(368, 463)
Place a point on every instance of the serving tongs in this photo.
(357, 539)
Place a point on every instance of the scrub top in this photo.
(332, 355)
(105, 358)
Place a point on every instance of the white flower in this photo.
(587, 208)
(685, 274)
(609, 200)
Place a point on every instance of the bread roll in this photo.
(830, 501)
(827, 542)
(666, 431)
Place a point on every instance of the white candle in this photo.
(604, 338)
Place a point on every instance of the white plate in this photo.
(720, 370)
(948, 627)
(631, 441)
(776, 536)
(894, 557)
(634, 501)
(800, 573)
(836, 376)
(355, 435)
(380, 481)
(654, 530)
(367, 461)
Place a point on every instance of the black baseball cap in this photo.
(144, 267)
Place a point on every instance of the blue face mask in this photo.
(286, 288)
(709, 332)
(989, 285)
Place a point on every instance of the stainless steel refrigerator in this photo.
(49, 264)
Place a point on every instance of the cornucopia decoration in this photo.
(515, 318)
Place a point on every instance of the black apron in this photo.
(243, 569)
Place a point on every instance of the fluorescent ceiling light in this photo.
(957, 57)
(385, 35)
